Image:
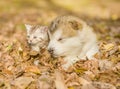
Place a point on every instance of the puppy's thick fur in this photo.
(73, 39)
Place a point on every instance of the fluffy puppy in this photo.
(73, 39)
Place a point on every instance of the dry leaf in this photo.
(33, 69)
(88, 86)
(109, 46)
(101, 85)
(33, 53)
(92, 65)
(83, 81)
(22, 82)
(26, 55)
(105, 65)
(119, 47)
(16, 58)
(59, 81)
(85, 84)
(45, 81)
(95, 85)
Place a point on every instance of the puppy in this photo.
(73, 39)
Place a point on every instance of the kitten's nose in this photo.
(29, 44)
(51, 50)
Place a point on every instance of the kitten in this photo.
(37, 36)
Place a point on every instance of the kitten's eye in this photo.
(41, 39)
(34, 37)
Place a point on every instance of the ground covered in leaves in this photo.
(21, 68)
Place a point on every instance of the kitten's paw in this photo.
(35, 48)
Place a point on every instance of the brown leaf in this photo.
(22, 82)
(59, 81)
(105, 65)
(101, 85)
(109, 46)
(33, 69)
(33, 53)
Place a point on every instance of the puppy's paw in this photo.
(66, 66)
(69, 62)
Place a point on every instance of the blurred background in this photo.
(36, 11)
(101, 14)
(17, 61)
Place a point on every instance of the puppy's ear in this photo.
(76, 25)
(54, 24)
(44, 29)
(28, 27)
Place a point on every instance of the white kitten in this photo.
(37, 36)
(73, 39)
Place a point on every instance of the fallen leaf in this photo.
(22, 82)
(119, 47)
(59, 81)
(83, 81)
(80, 70)
(71, 88)
(102, 85)
(26, 55)
(109, 46)
(85, 84)
(9, 47)
(33, 69)
(105, 65)
(114, 17)
(45, 81)
(33, 53)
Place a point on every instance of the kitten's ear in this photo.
(46, 28)
(28, 27)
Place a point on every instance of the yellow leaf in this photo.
(80, 71)
(33, 69)
(119, 47)
(109, 46)
(114, 17)
(71, 88)
(9, 47)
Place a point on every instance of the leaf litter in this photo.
(21, 68)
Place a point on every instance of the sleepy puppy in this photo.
(73, 39)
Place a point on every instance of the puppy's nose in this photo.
(30, 40)
(51, 50)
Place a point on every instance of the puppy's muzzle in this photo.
(51, 50)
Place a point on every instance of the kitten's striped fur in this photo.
(37, 36)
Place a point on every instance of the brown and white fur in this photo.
(73, 39)
(37, 36)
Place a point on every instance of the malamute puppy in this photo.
(73, 39)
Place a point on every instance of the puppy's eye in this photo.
(34, 37)
(60, 39)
